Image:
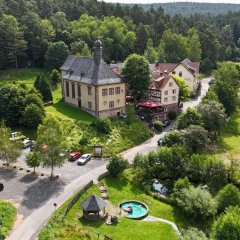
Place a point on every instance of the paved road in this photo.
(28, 229)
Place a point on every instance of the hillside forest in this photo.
(37, 33)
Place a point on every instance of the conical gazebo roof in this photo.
(93, 204)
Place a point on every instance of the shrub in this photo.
(35, 99)
(189, 117)
(197, 203)
(158, 125)
(84, 140)
(55, 76)
(43, 86)
(7, 216)
(228, 196)
(173, 138)
(194, 234)
(117, 165)
(32, 116)
(103, 125)
(180, 185)
(227, 226)
(172, 115)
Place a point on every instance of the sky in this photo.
(162, 1)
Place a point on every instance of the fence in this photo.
(76, 197)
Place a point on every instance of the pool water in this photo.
(138, 209)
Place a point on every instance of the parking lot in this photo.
(30, 191)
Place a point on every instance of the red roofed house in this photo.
(186, 69)
(164, 89)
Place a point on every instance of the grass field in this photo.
(27, 75)
(229, 141)
(119, 190)
(8, 214)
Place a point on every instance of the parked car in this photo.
(74, 156)
(166, 123)
(180, 105)
(27, 143)
(212, 82)
(33, 146)
(84, 159)
(64, 153)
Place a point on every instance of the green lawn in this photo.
(8, 214)
(229, 141)
(119, 190)
(27, 75)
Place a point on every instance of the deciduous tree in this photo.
(213, 116)
(32, 116)
(117, 165)
(33, 160)
(136, 72)
(56, 55)
(190, 117)
(195, 138)
(228, 196)
(51, 139)
(227, 226)
(9, 150)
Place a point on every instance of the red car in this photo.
(74, 156)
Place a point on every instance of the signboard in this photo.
(98, 151)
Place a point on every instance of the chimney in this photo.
(97, 51)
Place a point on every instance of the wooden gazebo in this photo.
(92, 206)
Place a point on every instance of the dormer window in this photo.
(82, 74)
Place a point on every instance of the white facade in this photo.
(170, 93)
(188, 76)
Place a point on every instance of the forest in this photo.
(42, 32)
(192, 8)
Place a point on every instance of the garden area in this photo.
(8, 214)
(118, 189)
(82, 129)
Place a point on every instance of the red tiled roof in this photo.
(166, 67)
(159, 80)
(193, 67)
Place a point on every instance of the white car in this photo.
(84, 159)
(27, 143)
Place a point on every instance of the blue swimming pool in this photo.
(134, 209)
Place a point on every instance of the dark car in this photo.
(212, 82)
(180, 105)
(74, 156)
(166, 123)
